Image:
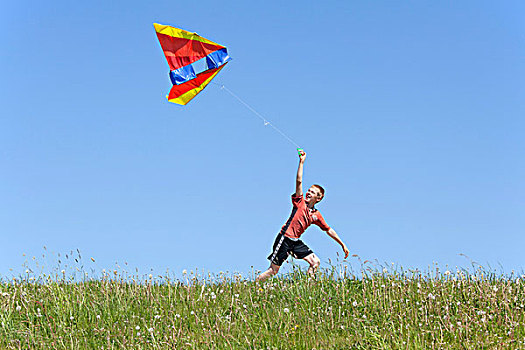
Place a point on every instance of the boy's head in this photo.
(314, 194)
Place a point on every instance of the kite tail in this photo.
(265, 121)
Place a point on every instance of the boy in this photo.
(303, 215)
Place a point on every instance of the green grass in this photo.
(376, 309)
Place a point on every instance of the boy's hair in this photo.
(320, 189)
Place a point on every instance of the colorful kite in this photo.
(194, 61)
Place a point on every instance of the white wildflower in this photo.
(71, 318)
(158, 316)
(447, 273)
(18, 308)
(431, 296)
(286, 310)
(354, 304)
(150, 330)
(177, 316)
(98, 317)
(137, 328)
(184, 271)
(495, 288)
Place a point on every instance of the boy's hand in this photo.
(302, 156)
(345, 249)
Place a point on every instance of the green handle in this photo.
(299, 150)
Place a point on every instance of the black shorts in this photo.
(284, 246)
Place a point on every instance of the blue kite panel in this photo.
(182, 75)
(217, 58)
(189, 72)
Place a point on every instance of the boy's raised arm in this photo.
(299, 179)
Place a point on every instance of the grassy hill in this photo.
(376, 309)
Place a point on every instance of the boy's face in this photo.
(313, 195)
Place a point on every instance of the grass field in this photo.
(375, 308)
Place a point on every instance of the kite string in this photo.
(266, 121)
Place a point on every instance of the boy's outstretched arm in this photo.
(334, 235)
(299, 179)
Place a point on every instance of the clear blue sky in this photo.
(411, 112)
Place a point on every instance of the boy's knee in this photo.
(316, 262)
(274, 269)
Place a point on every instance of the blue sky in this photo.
(411, 113)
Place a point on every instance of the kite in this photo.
(193, 60)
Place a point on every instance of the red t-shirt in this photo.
(301, 218)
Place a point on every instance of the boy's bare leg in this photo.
(272, 271)
(314, 262)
